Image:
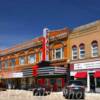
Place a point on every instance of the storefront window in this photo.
(84, 80)
(32, 58)
(82, 51)
(98, 82)
(94, 48)
(12, 62)
(59, 82)
(74, 52)
(47, 82)
(72, 77)
(52, 81)
(21, 60)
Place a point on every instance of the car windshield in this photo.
(75, 82)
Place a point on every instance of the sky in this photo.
(23, 20)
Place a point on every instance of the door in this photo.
(92, 82)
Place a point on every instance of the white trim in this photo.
(81, 54)
(54, 53)
(92, 51)
(73, 53)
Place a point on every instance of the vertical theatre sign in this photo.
(46, 43)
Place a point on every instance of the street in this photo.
(27, 95)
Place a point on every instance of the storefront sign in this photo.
(87, 65)
(17, 75)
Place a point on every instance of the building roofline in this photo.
(85, 26)
(65, 28)
(21, 45)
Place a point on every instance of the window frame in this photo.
(94, 48)
(73, 52)
(81, 55)
(29, 61)
(20, 60)
(6, 62)
(13, 63)
(61, 53)
(0, 65)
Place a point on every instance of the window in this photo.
(82, 51)
(6, 63)
(40, 56)
(74, 52)
(58, 53)
(12, 62)
(21, 60)
(59, 82)
(94, 46)
(0, 65)
(32, 58)
(98, 82)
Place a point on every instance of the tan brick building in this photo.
(84, 44)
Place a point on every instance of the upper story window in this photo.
(81, 51)
(58, 53)
(6, 63)
(21, 60)
(40, 56)
(74, 52)
(0, 65)
(13, 62)
(32, 58)
(94, 48)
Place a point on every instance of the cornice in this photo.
(85, 29)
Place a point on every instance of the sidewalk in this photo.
(28, 95)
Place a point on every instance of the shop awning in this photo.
(81, 75)
(97, 74)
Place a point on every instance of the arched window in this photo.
(94, 48)
(74, 52)
(81, 51)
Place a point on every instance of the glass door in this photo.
(92, 82)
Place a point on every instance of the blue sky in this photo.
(22, 20)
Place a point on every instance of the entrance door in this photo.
(92, 82)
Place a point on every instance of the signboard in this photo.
(17, 75)
(87, 65)
(46, 43)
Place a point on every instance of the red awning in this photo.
(97, 74)
(81, 75)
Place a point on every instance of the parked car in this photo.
(74, 90)
(41, 90)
